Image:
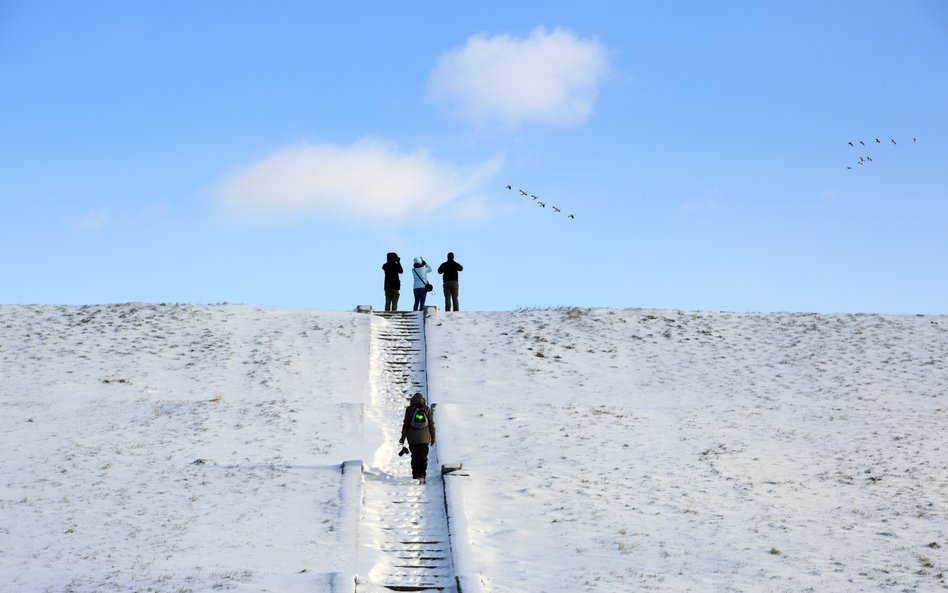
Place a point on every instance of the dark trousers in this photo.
(451, 295)
(420, 295)
(419, 459)
(391, 299)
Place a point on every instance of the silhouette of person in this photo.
(450, 271)
(393, 284)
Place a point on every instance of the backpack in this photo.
(419, 418)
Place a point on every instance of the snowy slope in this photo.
(175, 448)
(667, 451)
(197, 448)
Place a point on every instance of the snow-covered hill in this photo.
(197, 448)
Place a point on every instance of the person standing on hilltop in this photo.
(393, 284)
(418, 429)
(450, 270)
(422, 287)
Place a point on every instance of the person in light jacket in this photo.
(419, 430)
(420, 274)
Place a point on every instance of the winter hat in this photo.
(418, 261)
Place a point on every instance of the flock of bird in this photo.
(540, 203)
(864, 160)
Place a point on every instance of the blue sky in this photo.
(273, 153)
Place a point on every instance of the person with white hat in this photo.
(422, 286)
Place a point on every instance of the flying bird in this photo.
(867, 159)
(539, 202)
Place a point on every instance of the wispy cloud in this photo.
(700, 205)
(368, 180)
(548, 77)
(474, 209)
(93, 221)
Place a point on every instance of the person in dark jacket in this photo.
(450, 270)
(393, 284)
(419, 430)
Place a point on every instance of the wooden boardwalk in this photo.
(403, 529)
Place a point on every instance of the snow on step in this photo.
(403, 531)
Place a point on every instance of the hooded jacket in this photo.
(420, 274)
(417, 436)
(392, 268)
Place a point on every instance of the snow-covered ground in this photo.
(176, 448)
(197, 448)
(666, 451)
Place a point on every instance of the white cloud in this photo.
(548, 78)
(366, 180)
(472, 210)
(93, 221)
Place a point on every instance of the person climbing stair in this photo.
(419, 430)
